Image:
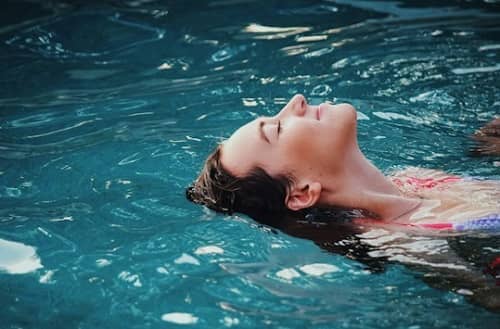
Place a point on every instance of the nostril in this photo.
(298, 104)
(301, 100)
(301, 106)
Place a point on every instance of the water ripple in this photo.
(49, 40)
(109, 108)
(257, 31)
(141, 88)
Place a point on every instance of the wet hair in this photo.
(487, 139)
(262, 197)
(257, 194)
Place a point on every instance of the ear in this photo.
(304, 196)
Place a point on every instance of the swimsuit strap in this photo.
(425, 182)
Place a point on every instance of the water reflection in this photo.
(258, 31)
(117, 34)
(438, 260)
(18, 258)
(109, 108)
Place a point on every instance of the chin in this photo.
(341, 116)
(344, 123)
(347, 110)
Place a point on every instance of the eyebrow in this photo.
(261, 132)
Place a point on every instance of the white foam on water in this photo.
(18, 258)
(131, 278)
(465, 292)
(187, 259)
(273, 32)
(319, 269)
(489, 47)
(479, 69)
(340, 63)
(229, 322)
(179, 318)
(362, 116)
(209, 250)
(433, 96)
(102, 262)
(362, 272)
(391, 116)
(62, 219)
(47, 277)
(408, 259)
(288, 274)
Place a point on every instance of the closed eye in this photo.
(279, 127)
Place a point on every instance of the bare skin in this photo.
(317, 145)
(453, 201)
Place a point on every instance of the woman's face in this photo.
(306, 141)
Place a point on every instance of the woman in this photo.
(305, 163)
(307, 157)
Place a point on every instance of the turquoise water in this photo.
(108, 109)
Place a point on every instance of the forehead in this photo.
(239, 153)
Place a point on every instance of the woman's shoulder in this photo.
(422, 173)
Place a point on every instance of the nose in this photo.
(296, 106)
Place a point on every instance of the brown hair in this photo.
(257, 194)
(487, 139)
(262, 197)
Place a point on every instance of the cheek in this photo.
(300, 143)
(314, 147)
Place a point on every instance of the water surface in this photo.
(108, 109)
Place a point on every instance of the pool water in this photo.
(108, 109)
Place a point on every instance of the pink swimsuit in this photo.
(425, 182)
(490, 222)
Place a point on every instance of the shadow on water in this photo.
(462, 264)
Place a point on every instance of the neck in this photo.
(361, 185)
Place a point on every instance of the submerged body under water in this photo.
(453, 209)
(109, 108)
